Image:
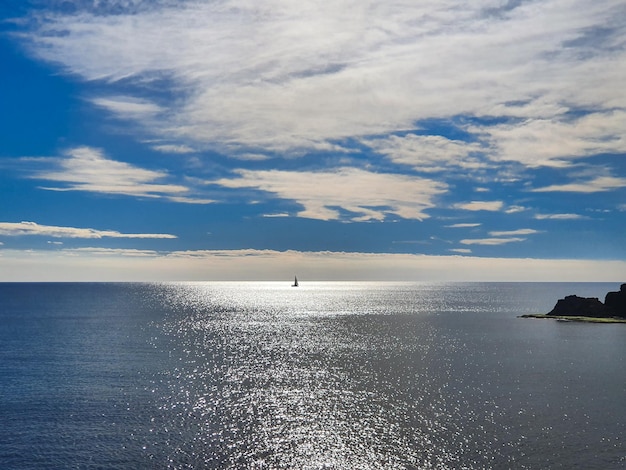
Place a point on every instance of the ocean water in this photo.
(326, 375)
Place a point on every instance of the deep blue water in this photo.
(327, 375)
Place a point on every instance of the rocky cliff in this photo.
(615, 302)
(614, 305)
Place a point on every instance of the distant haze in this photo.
(271, 265)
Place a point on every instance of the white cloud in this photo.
(116, 265)
(128, 107)
(463, 251)
(515, 209)
(190, 200)
(558, 216)
(14, 229)
(500, 237)
(285, 75)
(491, 241)
(599, 184)
(556, 140)
(109, 252)
(88, 169)
(468, 225)
(252, 157)
(427, 152)
(522, 231)
(369, 196)
(480, 206)
(171, 148)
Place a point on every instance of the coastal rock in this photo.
(614, 306)
(615, 302)
(575, 306)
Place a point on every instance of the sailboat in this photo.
(295, 282)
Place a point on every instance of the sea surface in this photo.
(324, 376)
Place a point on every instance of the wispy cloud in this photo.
(173, 148)
(110, 252)
(463, 251)
(253, 157)
(557, 140)
(427, 152)
(362, 195)
(493, 206)
(522, 231)
(491, 241)
(466, 225)
(190, 200)
(514, 209)
(88, 169)
(287, 75)
(558, 216)
(14, 229)
(599, 184)
(500, 237)
(128, 107)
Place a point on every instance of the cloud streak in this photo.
(128, 107)
(171, 148)
(522, 231)
(464, 225)
(16, 229)
(599, 184)
(566, 216)
(491, 241)
(492, 206)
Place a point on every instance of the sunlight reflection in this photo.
(323, 376)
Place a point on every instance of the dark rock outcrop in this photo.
(575, 306)
(615, 302)
(614, 306)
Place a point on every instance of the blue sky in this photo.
(227, 139)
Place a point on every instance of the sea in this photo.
(328, 375)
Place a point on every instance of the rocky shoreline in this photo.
(589, 309)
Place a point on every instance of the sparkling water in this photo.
(325, 375)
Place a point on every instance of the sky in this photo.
(348, 140)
